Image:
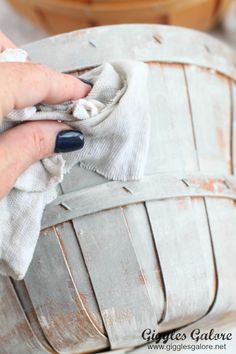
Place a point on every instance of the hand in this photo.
(26, 84)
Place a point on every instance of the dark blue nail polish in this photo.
(69, 140)
(86, 81)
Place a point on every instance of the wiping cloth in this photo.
(115, 121)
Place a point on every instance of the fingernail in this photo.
(86, 81)
(69, 140)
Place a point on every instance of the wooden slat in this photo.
(116, 277)
(154, 187)
(80, 178)
(27, 306)
(179, 226)
(174, 45)
(211, 111)
(81, 279)
(140, 238)
(212, 114)
(141, 235)
(60, 311)
(16, 335)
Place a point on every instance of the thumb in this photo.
(27, 143)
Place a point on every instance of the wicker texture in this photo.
(57, 16)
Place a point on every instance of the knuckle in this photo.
(42, 69)
(40, 145)
(39, 66)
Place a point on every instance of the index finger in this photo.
(26, 84)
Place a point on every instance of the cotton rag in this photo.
(114, 119)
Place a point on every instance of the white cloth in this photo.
(114, 119)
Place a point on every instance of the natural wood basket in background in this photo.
(57, 16)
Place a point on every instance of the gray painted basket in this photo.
(116, 258)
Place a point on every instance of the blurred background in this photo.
(26, 21)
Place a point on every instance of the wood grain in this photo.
(179, 225)
(174, 45)
(212, 116)
(120, 287)
(57, 303)
(16, 335)
(153, 187)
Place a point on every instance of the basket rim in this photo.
(90, 47)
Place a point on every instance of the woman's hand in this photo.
(26, 84)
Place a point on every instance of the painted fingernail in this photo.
(86, 81)
(69, 140)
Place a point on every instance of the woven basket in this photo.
(57, 16)
(115, 258)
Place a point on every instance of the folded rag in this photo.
(114, 119)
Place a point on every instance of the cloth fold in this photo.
(114, 119)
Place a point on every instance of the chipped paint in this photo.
(142, 277)
(220, 138)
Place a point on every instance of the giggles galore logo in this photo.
(196, 335)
